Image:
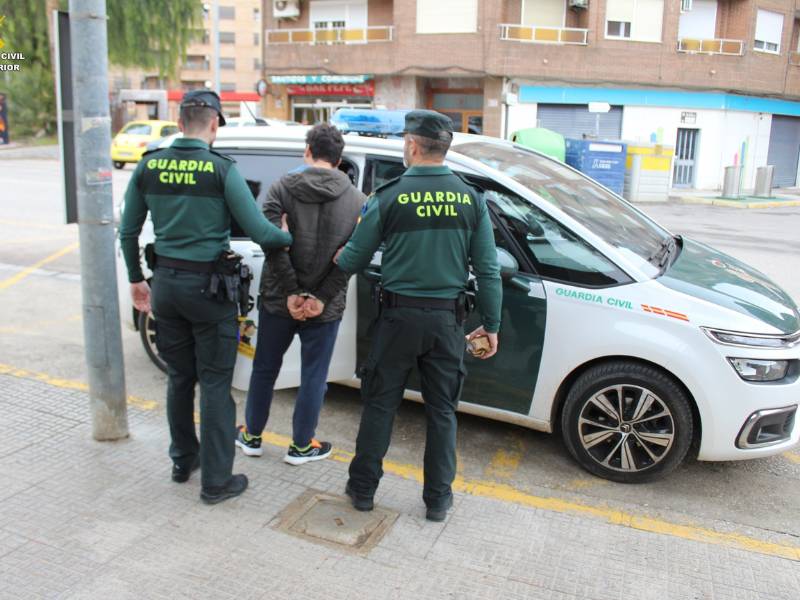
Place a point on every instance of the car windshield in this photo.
(607, 216)
(137, 129)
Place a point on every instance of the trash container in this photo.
(544, 140)
(603, 161)
(764, 177)
(647, 172)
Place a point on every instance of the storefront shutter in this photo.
(784, 149)
(573, 121)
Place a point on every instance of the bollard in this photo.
(764, 178)
(731, 184)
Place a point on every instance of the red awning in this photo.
(177, 96)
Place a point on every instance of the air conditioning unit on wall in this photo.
(286, 9)
(578, 4)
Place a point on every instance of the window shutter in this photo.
(769, 27)
(620, 10)
(447, 16)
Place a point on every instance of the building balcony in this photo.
(544, 35)
(711, 46)
(336, 35)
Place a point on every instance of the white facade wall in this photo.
(720, 138)
(521, 116)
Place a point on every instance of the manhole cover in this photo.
(331, 520)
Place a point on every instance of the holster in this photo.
(230, 281)
(150, 256)
(464, 306)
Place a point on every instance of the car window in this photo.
(555, 252)
(261, 171)
(381, 170)
(168, 130)
(612, 219)
(137, 129)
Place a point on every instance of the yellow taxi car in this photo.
(131, 142)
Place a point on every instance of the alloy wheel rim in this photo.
(626, 428)
(150, 323)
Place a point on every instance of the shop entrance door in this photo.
(685, 153)
(311, 113)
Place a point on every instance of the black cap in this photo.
(430, 124)
(206, 98)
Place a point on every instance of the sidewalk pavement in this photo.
(781, 197)
(13, 151)
(82, 519)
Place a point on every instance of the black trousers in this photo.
(198, 338)
(403, 338)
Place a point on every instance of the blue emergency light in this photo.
(370, 122)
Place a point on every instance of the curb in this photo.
(737, 203)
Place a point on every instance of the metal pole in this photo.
(101, 323)
(215, 28)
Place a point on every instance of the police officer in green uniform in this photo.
(192, 192)
(434, 225)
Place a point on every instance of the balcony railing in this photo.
(544, 35)
(720, 46)
(338, 35)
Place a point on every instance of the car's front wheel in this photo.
(119, 164)
(627, 422)
(147, 333)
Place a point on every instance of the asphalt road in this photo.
(41, 331)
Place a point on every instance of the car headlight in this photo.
(752, 340)
(758, 369)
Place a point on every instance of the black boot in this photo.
(235, 486)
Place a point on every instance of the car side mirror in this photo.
(508, 264)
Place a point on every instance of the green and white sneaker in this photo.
(314, 451)
(250, 444)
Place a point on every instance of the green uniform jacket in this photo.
(434, 226)
(191, 192)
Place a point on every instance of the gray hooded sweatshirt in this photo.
(322, 207)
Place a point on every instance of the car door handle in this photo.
(257, 253)
(534, 287)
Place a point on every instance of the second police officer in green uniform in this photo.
(191, 193)
(434, 226)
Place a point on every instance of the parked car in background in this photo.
(635, 343)
(132, 141)
(259, 121)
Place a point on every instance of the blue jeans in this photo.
(275, 335)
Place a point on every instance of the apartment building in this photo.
(240, 68)
(719, 80)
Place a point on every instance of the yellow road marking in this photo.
(583, 484)
(7, 283)
(38, 325)
(33, 224)
(795, 458)
(35, 240)
(69, 384)
(501, 492)
(505, 462)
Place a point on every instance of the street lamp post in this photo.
(101, 322)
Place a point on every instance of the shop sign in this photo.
(332, 89)
(312, 79)
(689, 118)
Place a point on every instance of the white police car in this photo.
(636, 343)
